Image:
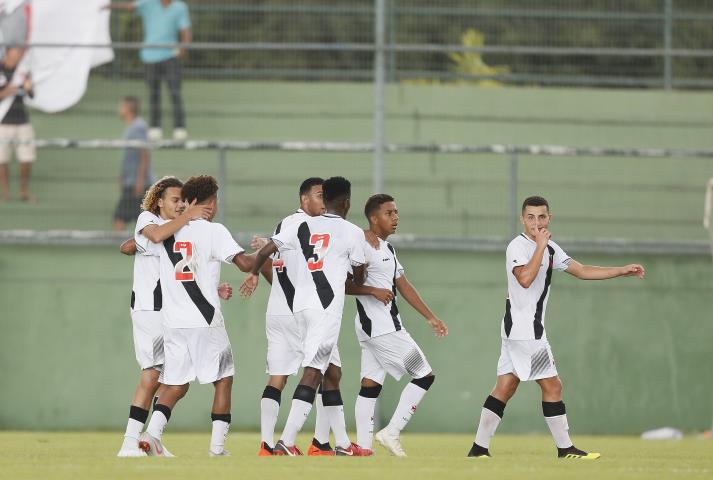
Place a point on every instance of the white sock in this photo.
(217, 438)
(338, 425)
(410, 398)
(133, 429)
(321, 425)
(157, 424)
(489, 422)
(560, 430)
(295, 421)
(269, 410)
(364, 416)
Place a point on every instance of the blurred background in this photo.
(459, 109)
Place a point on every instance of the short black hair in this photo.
(309, 183)
(133, 103)
(199, 188)
(535, 201)
(374, 202)
(336, 188)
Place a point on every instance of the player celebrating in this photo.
(196, 343)
(386, 346)
(158, 221)
(329, 247)
(526, 355)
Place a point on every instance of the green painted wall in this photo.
(633, 354)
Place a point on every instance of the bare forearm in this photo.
(128, 247)
(592, 272)
(527, 274)
(262, 255)
(158, 234)
(351, 288)
(186, 36)
(143, 169)
(411, 295)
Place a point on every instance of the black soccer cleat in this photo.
(575, 453)
(478, 451)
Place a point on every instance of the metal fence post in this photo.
(222, 183)
(379, 72)
(667, 44)
(514, 213)
(392, 40)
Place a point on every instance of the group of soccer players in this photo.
(313, 260)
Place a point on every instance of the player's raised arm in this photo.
(593, 272)
(251, 280)
(159, 233)
(128, 247)
(526, 274)
(411, 295)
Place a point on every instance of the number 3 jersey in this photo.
(190, 264)
(328, 247)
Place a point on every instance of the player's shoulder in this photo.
(555, 246)
(148, 217)
(518, 242)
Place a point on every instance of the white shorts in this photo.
(197, 353)
(24, 152)
(527, 359)
(394, 353)
(319, 334)
(148, 338)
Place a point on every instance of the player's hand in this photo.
(195, 212)
(633, 270)
(542, 237)
(383, 295)
(371, 239)
(257, 243)
(249, 285)
(225, 291)
(438, 326)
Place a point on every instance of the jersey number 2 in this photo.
(187, 249)
(320, 242)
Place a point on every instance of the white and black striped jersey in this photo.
(525, 308)
(190, 264)
(146, 289)
(327, 247)
(284, 266)
(373, 318)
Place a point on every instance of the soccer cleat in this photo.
(153, 446)
(223, 453)
(130, 451)
(353, 450)
(265, 450)
(155, 134)
(180, 134)
(478, 452)
(391, 442)
(317, 449)
(282, 449)
(573, 452)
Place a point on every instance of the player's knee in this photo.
(424, 382)
(332, 377)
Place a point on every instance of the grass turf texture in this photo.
(80, 456)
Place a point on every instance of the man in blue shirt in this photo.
(164, 21)
(136, 174)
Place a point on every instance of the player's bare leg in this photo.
(220, 415)
(151, 439)
(302, 402)
(269, 410)
(4, 182)
(25, 195)
(492, 412)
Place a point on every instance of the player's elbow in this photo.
(524, 281)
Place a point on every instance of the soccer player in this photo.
(526, 355)
(196, 344)
(327, 247)
(283, 337)
(386, 346)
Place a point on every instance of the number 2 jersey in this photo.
(146, 289)
(190, 264)
(328, 246)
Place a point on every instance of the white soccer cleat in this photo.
(130, 451)
(155, 134)
(223, 453)
(180, 134)
(390, 442)
(153, 446)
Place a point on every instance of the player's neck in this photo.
(378, 233)
(530, 237)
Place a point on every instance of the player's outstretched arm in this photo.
(159, 233)
(411, 295)
(128, 247)
(383, 295)
(251, 280)
(592, 272)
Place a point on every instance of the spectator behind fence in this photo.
(163, 21)
(136, 174)
(15, 126)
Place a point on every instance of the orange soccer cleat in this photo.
(265, 450)
(317, 449)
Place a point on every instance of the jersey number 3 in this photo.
(320, 242)
(187, 249)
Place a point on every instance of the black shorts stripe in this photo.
(364, 319)
(157, 297)
(537, 323)
(192, 288)
(324, 289)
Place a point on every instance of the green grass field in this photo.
(79, 456)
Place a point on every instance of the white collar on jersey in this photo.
(330, 215)
(299, 210)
